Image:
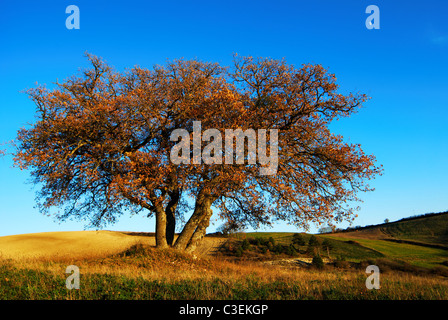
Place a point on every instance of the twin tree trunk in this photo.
(194, 229)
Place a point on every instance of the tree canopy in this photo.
(102, 145)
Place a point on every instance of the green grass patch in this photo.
(414, 254)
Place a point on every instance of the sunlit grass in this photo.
(146, 273)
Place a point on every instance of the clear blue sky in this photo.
(403, 66)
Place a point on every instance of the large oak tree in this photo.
(102, 140)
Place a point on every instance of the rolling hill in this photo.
(81, 244)
(429, 229)
(419, 241)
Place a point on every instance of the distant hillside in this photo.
(419, 241)
(430, 229)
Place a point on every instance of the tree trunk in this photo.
(161, 229)
(171, 218)
(174, 196)
(201, 210)
(170, 227)
(199, 233)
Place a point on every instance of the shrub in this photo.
(255, 241)
(340, 258)
(228, 247)
(312, 250)
(245, 245)
(137, 249)
(342, 264)
(239, 252)
(278, 249)
(297, 239)
(313, 241)
(290, 250)
(326, 244)
(313, 245)
(317, 262)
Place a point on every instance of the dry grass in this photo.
(219, 278)
(142, 272)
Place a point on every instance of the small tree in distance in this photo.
(327, 245)
(298, 239)
(313, 241)
(327, 229)
(317, 262)
(313, 245)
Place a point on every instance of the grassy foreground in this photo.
(143, 272)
